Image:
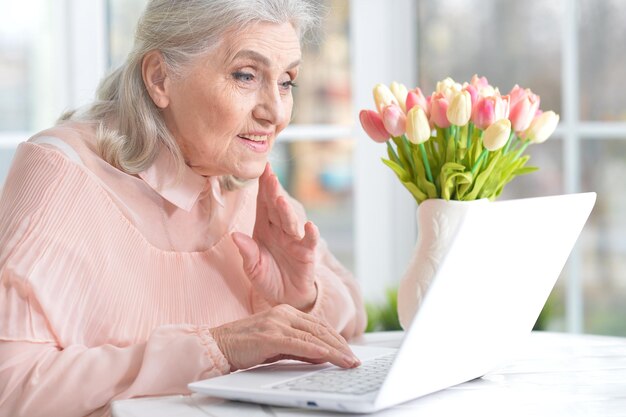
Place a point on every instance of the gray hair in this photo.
(131, 129)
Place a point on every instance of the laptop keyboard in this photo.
(357, 381)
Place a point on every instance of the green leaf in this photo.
(408, 148)
(400, 171)
(440, 141)
(451, 151)
(373, 318)
(450, 173)
(384, 316)
(418, 194)
(392, 153)
(420, 177)
(506, 170)
(456, 182)
(482, 178)
(524, 170)
(433, 156)
(463, 183)
(403, 155)
(451, 163)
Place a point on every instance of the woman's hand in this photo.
(278, 259)
(282, 332)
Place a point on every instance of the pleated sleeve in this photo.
(44, 370)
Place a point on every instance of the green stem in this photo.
(426, 164)
(508, 142)
(470, 131)
(522, 149)
(479, 160)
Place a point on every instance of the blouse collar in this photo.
(161, 176)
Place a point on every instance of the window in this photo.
(314, 157)
(51, 60)
(575, 64)
(500, 43)
(32, 81)
(52, 54)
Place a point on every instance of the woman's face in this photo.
(226, 111)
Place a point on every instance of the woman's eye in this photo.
(243, 76)
(288, 84)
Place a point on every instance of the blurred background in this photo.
(570, 52)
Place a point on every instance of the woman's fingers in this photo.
(305, 345)
(312, 329)
(323, 331)
(268, 193)
(338, 354)
(279, 333)
(288, 218)
(304, 249)
(279, 212)
(311, 235)
(249, 251)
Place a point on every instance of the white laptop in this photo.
(484, 300)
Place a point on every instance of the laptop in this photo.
(482, 303)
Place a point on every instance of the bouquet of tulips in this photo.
(463, 142)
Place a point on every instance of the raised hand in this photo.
(281, 332)
(279, 259)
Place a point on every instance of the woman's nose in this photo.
(270, 106)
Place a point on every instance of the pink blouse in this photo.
(109, 283)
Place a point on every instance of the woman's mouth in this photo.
(258, 143)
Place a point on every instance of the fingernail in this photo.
(349, 360)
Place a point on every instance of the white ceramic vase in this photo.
(437, 223)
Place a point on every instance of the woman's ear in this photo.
(155, 78)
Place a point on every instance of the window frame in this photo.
(380, 247)
(385, 226)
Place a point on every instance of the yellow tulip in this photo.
(400, 92)
(497, 134)
(417, 127)
(460, 109)
(447, 84)
(541, 127)
(383, 97)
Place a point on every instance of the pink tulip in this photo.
(438, 109)
(503, 107)
(479, 82)
(484, 113)
(372, 123)
(517, 93)
(490, 109)
(473, 92)
(394, 120)
(524, 105)
(415, 97)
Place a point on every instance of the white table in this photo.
(552, 375)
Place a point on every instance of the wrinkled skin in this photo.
(225, 113)
(282, 332)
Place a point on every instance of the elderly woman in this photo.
(145, 242)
